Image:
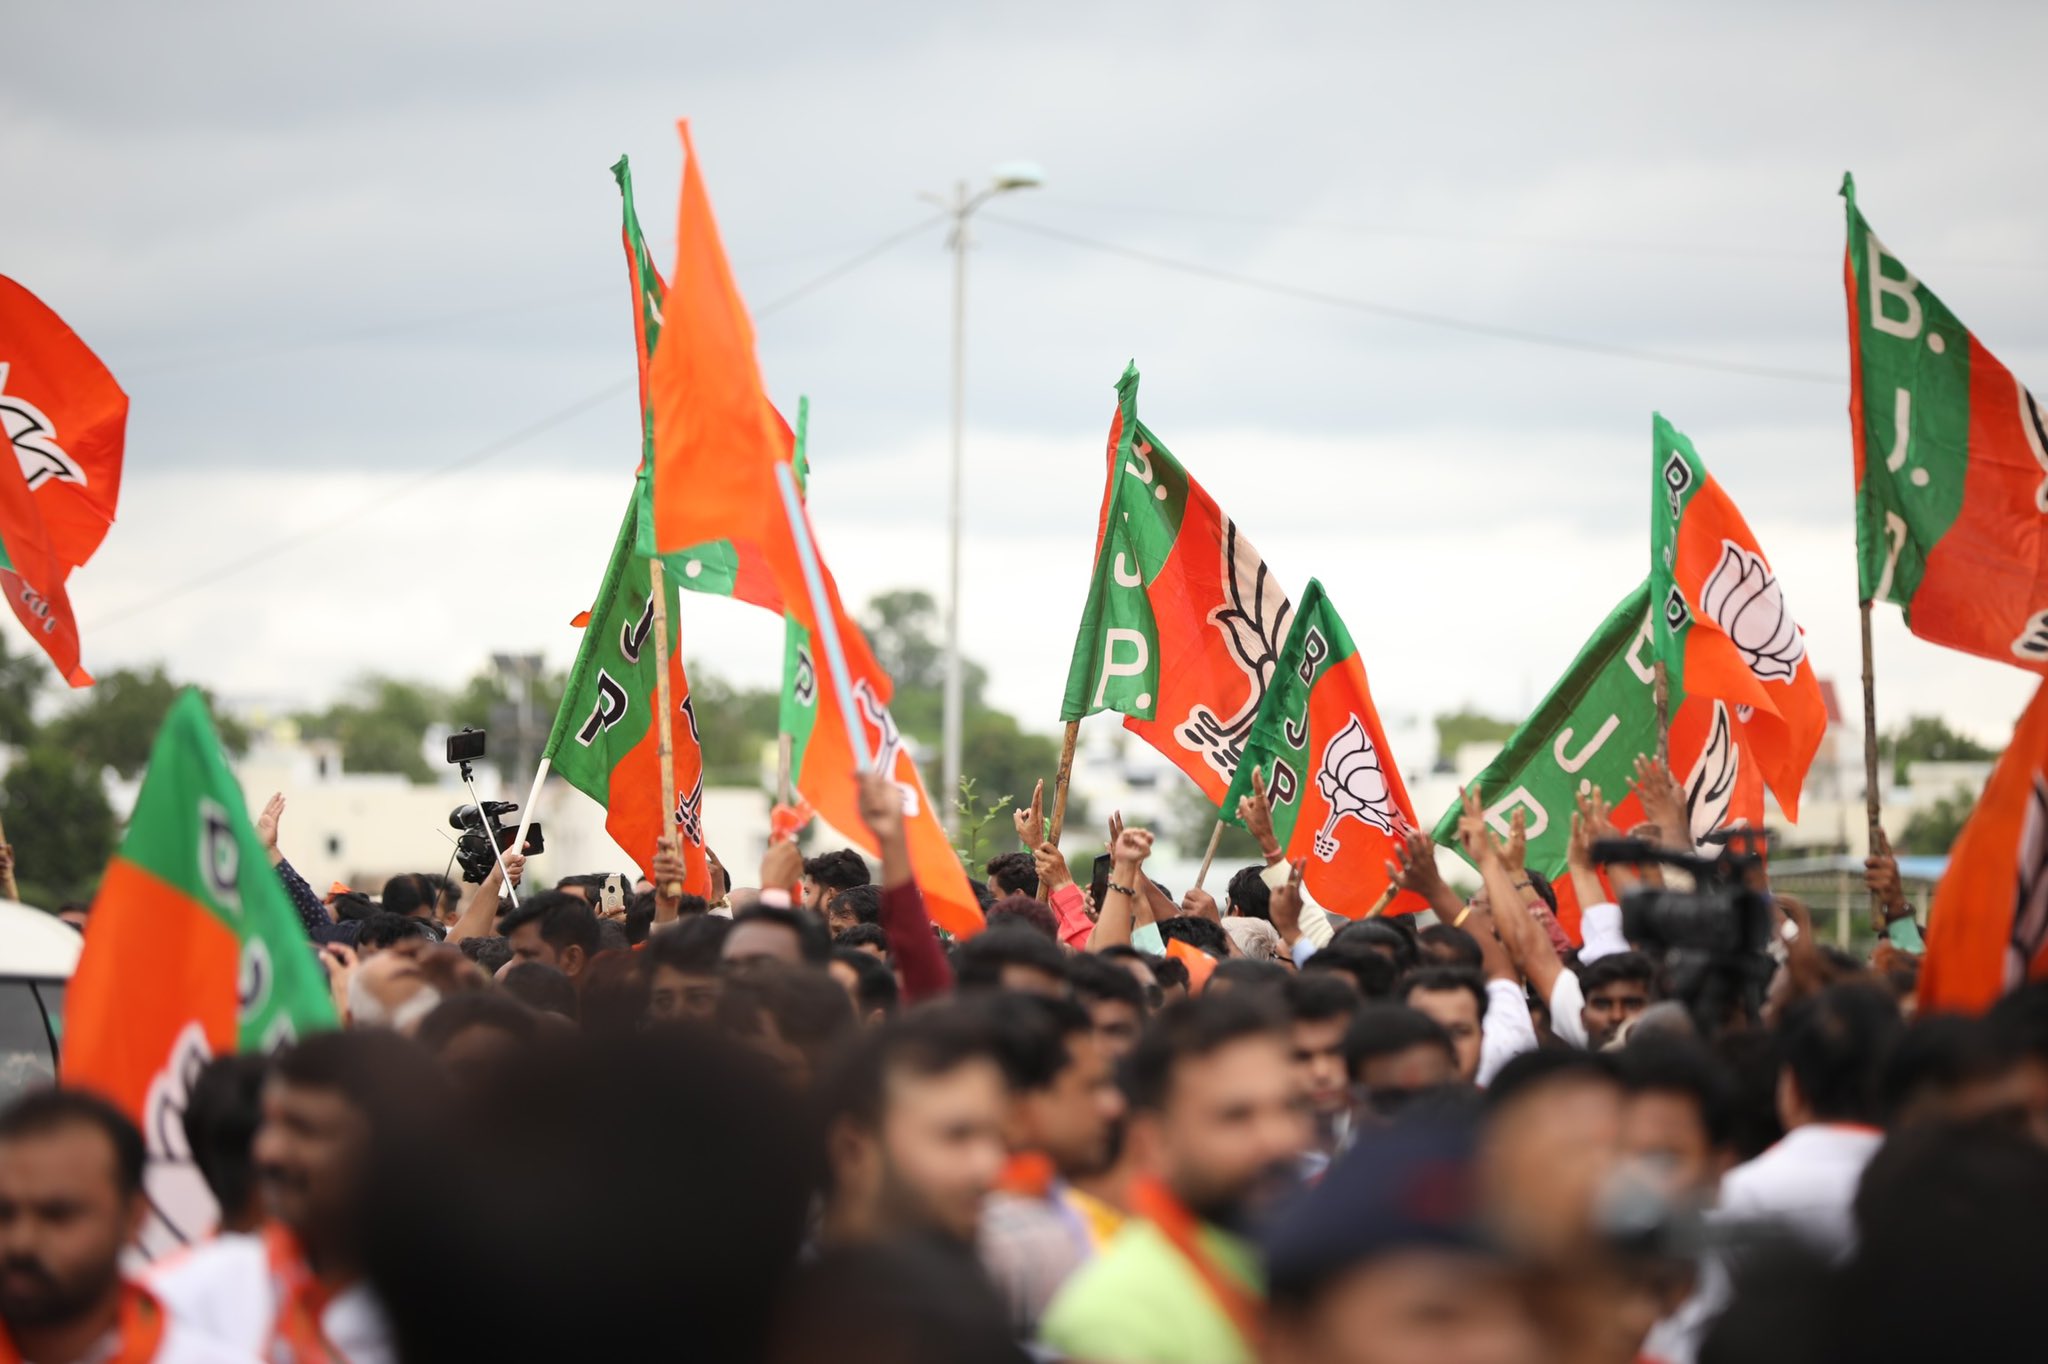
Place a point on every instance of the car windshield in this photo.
(25, 1056)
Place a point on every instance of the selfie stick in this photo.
(496, 851)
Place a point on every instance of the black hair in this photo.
(1031, 1033)
(874, 983)
(1021, 911)
(386, 1076)
(1749, 1057)
(542, 988)
(813, 939)
(1620, 968)
(1545, 892)
(1206, 934)
(1245, 973)
(1661, 1063)
(411, 892)
(2022, 1016)
(978, 962)
(42, 1112)
(1381, 937)
(1833, 1045)
(691, 946)
(907, 1300)
(862, 935)
(1191, 1028)
(983, 896)
(387, 930)
(935, 1038)
(1249, 894)
(1015, 872)
(864, 903)
(1095, 981)
(477, 1009)
(1169, 972)
(223, 1108)
(1379, 1029)
(840, 869)
(1372, 971)
(1453, 942)
(1534, 1069)
(640, 909)
(1438, 979)
(810, 1009)
(564, 920)
(1318, 998)
(489, 953)
(1939, 1054)
(592, 881)
(351, 906)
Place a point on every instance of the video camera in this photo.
(1713, 940)
(484, 832)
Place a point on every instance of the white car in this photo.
(38, 952)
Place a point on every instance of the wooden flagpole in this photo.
(664, 725)
(1059, 784)
(785, 757)
(1215, 837)
(1379, 906)
(1663, 695)
(1870, 794)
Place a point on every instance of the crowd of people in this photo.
(791, 1122)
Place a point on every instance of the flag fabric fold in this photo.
(1336, 791)
(1722, 626)
(1183, 624)
(1951, 465)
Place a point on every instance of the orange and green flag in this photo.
(1987, 931)
(605, 741)
(193, 951)
(1337, 794)
(1951, 466)
(1723, 629)
(65, 420)
(1184, 622)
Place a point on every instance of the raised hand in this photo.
(1517, 850)
(1199, 904)
(1664, 803)
(1030, 821)
(1881, 875)
(881, 807)
(1131, 848)
(1414, 864)
(1256, 813)
(782, 866)
(1474, 832)
(1052, 869)
(266, 824)
(1285, 903)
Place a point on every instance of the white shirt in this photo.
(1567, 1010)
(224, 1291)
(1507, 1030)
(1806, 1184)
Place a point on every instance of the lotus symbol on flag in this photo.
(1743, 598)
(1355, 784)
(34, 440)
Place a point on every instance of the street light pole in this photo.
(1016, 175)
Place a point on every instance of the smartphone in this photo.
(466, 745)
(1098, 881)
(611, 897)
(535, 843)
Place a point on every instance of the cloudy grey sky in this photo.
(332, 251)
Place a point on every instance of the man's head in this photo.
(1206, 934)
(383, 930)
(70, 1199)
(412, 894)
(869, 983)
(791, 1015)
(683, 969)
(1064, 1101)
(1553, 1140)
(1831, 1047)
(1372, 972)
(1114, 999)
(1446, 945)
(1140, 967)
(868, 938)
(1956, 1068)
(792, 937)
(553, 928)
(1013, 873)
(1249, 895)
(478, 1036)
(1617, 990)
(222, 1110)
(1381, 936)
(1213, 1103)
(852, 907)
(914, 1126)
(831, 872)
(1021, 911)
(1678, 1125)
(1011, 959)
(1243, 973)
(328, 1097)
(1456, 999)
(1320, 1008)
(541, 988)
(1394, 1053)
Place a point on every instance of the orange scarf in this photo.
(301, 1298)
(1153, 1201)
(138, 1330)
(1029, 1174)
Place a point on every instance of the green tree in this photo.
(380, 723)
(114, 723)
(1463, 727)
(1932, 831)
(1191, 819)
(59, 823)
(734, 725)
(904, 630)
(21, 680)
(1925, 738)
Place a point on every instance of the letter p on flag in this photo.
(1136, 666)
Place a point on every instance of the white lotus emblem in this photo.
(34, 439)
(1355, 784)
(1744, 599)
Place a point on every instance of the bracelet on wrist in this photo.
(1123, 890)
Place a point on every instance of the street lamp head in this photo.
(1018, 175)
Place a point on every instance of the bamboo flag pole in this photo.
(1215, 837)
(1663, 695)
(1379, 906)
(785, 757)
(665, 746)
(1870, 795)
(1059, 786)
